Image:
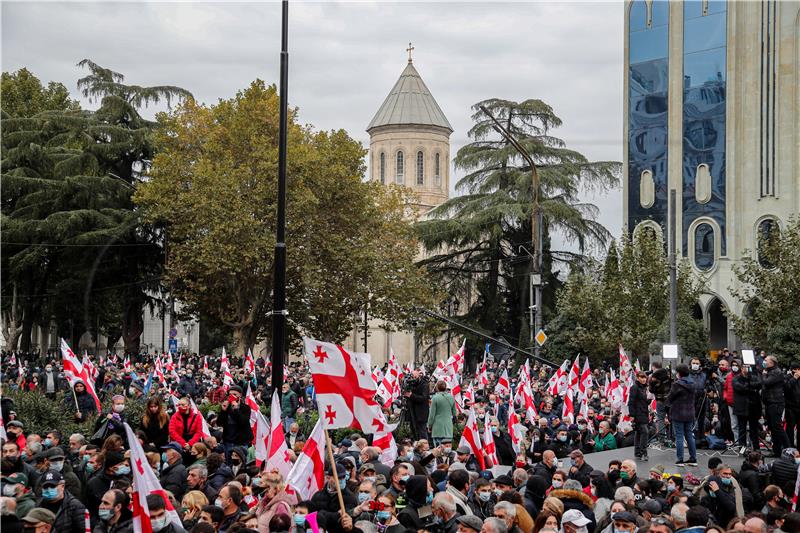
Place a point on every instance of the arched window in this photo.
(383, 167)
(420, 168)
(704, 247)
(399, 169)
(437, 170)
(768, 231)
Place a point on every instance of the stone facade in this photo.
(742, 123)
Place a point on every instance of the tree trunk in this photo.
(241, 339)
(133, 325)
(27, 329)
(12, 322)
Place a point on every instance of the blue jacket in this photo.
(680, 402)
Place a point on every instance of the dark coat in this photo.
(746, 397)
(784, 473)
(235, 424)
(156, 433)
(173, 479)
(418, 401)
(660, 383)
(773, 385)
(576, 499)
(541, 469)
(70, 516)
(504, 448)
(680, 401)
(751, 479)
(638, 404)
(792, 394)
(327, 501)
(125, 524)
(86, 404)
(221, 475)
(97, 485)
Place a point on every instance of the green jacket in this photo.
(25, 503)
(441, 414)
(289, 404)
(605, 443)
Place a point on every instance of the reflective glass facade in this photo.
(704, 247)
(704, 88)
(647, 108)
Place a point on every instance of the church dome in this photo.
(410, 103)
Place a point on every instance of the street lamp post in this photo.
(536, 224)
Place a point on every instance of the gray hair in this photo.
(445, 502)
(366, 526)
(495, 525)
(520, 476)
(572, 484)
(201, 470)
(508, 507)
(630, 463)
(8, 506)
(35, 446)
(678, 514)
(78, 437)
(624, 494)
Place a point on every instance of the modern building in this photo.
(712, 101)
(409, 146)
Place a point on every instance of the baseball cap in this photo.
(15, 424)
(652, 507)
(38, 514)
(574, 516)
(54, 453)
(341, 471)
(52, 478)
(366, 467)
(17, 477)
(470, 521)
(173, 446)
(622, 516)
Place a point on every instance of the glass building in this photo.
(712, 99)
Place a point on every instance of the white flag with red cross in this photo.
(91, 370)
(250, 364)
(278, 458)
(516, 430)
(205, 364)
(389, 388)
(126, 364)
(385, 441)
(205, 431)
(503, 386)
(574, 374)
(344, 388)
(251, 402)
(3, 434)
(74, 371)
(260, 437)
(307, 476)
(471, 438)
(145, 483)
(488, 440)
(585, 384)
(568, 409)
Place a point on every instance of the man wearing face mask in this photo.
(173, 472)
(115, 466)
(561, 445)
(774, 404)
(229, 500)
(722, 496)
(444, 509)
(69, 510)
(234, 419)
(55, 460)
(159, 519)
(701, 404)
(547, 467)
(49, 382)
(11, 452)
(16, 486)
(419, 496)
(326, 500)
(113, 514)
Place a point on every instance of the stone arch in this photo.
(717, 320)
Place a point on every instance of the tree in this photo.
(770, 293)
(74, 242)
(473, 239)
(23, 95)
(213, 188)
(625, 301)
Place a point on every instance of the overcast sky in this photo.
(345, 57)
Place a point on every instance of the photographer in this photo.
(659, 384)
(417, 396)
(747, 404)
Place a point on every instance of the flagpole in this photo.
(75, 396)
(333, 469)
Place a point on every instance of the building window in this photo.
(437, 170)
(420, 168)
(704, 247)
(399, 169)
(383, 167)
(768, 230)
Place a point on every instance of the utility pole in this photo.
(673, 274)
(279, 311)
(536, 226)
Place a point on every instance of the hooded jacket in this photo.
(680, 401)
(416, 495)
(577, 499)
(282, 503)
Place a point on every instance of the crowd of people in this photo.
(548, 483)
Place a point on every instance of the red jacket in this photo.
(190, 427)
(727, 389)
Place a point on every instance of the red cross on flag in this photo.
(250, 363)
(574, 374)
(503, 386)
(278, 457)
(568, 410)
(74, 371)
(145, 483)
(516, 430)
(205, 364)
(251, 402)
(126, 364)
(261, 436)
(471, 438)
(585, 384)
(389, 388)
(488, 440)
(344, 387)
(307, 476)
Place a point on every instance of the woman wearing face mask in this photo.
(602, 492)
(557, 482)
(674, 490)
(386, 518)
(112, 423)
(155, 423)
(191, 505)
(185, 426)
(274, 500)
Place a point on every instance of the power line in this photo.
(68, 245)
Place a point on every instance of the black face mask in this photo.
(613, 476)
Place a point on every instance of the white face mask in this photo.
(157, 524)
(119, 407)
(695, 366)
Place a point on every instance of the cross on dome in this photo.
(409, 50)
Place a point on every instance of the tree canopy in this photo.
(213, 187)
(24, 95)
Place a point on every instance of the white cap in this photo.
(574, 516)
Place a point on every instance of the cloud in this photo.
(345, 57)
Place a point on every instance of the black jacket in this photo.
(416, 494)
(638, 404)
(235, 425)
(155, 432)
(752, 480)
(70, 517)
(746, 397)
(125, 524)
(324, 500)
(773, 386)
(784, 473)
(418, 402)
(792, 393)
(173, 479)
(660, 383)
(97, 485)
(86, 404)
(541, 469)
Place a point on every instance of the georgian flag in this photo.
(344, 387)
(250, 364)
(574, 374)
(389, 388)
(278, 457)
(530, 407)
(126, 364)
(568, 409)
(205, 431)
(205, 364)
(3, 428)
(261, 432)
(74, 371)
(145, 483)
(471, 438)
(585, 384)
(223, 360)
(385, 441)
(12, 361)
(307, 476)
(516, 430)
(503, 386)
(488, 441)
(251, 402)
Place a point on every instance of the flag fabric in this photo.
(489, 448)
(260, 437)
(91, 370)
(796, 491)
(12, 361)
(126, 364)
(471, 438)
(516, 430)
(145, 482)
(148, 384)
(87, 522)
(3, 434)
(585, 384)
(74, 372)
(205, 431)
(574, 374)
(385, 441)
(344, 387)
(308, 473)
(568, 409)
(250, 364)
(503, 387)
(205, 364)
(278, 457)
(389, 388)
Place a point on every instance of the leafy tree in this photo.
(473, 239)
(76, 245)
(625, 301)
(770, 294)
(214, 188)
(23, 95)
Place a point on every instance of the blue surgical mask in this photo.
(157, 524)
(123, 470)
(485, 496)
(105, 514)
(557, 483)
(797, 460)
(726, 480)
(562, 438)
(410, 456)
(404, 478)
(495, 429)
(89, 468)
(671, 488)
(299, 519)
(256, 482)
(50, 493)
(342, 484)
(429, 498)
(383, 516)
(163, 457)
(47, 443)
(363, 496)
